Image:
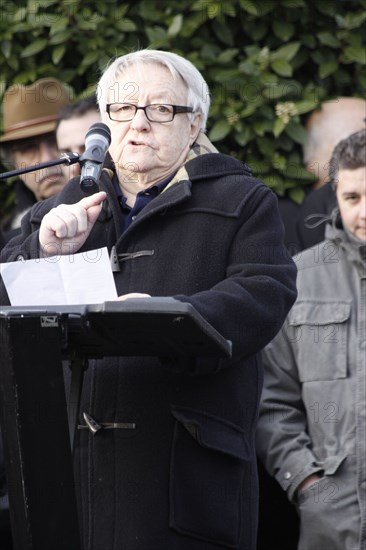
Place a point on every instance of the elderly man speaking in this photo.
(190, 223)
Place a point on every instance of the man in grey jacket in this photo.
(312, 428)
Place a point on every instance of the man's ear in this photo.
(195, 127)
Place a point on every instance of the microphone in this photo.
(97, 141)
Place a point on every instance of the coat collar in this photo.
(354, 248)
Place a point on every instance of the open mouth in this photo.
(137, 143)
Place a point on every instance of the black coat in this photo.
(186, 477)
(24, 200)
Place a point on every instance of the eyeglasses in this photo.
(156, 112)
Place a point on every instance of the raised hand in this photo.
(65, 228)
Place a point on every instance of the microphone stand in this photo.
(66, 158)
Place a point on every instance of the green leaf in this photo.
(258, 167)
(354, 54)
(257, 31)
(296, 132)
(60, 24)
(22, 28)
(282, 67)
(33, 6)
(220, 130)
(249, 6)
(6, 48)
(283, 30)
(294, 170)
(266, 146)
(265, 6)
(61, 37)
(209, 10)
(262, 126)
(286, 52)
(353, 20)
(25, 76)
(156, 35)
(306, 105)
(274, 181)
(226, 76)
(223, 32)
(210, 51)
(297, 194)
(307, 40)
(278, 127)
(279, 161)
(118, 12)
(249, 68)
(227, 55)
(58, 53)
(126, 25)
(34, 48)
(89, 58)
(243, 137)
(191, 25)
(13, 62)
(175, 25)
(328, 39)
(19, 15)
(327, 7)
(328, 68)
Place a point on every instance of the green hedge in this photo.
(267, 62)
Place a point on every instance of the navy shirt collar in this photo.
(128, 213)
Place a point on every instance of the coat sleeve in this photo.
(283, 443)
(250, 304)
(25, 245)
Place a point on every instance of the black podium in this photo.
(38, 420)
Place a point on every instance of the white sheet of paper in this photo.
(83, 278)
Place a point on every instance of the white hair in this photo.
(198, 92)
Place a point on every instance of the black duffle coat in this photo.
(185, 478)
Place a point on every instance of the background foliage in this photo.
(267, 62)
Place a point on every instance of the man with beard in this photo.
(29, 119)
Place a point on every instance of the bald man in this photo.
(334, 121)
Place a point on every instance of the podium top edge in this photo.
(153, 304)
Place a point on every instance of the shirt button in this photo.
(287, 475)
(20, 258)
(133, 218)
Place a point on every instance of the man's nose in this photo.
(140, 121)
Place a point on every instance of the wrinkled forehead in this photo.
(139, 77)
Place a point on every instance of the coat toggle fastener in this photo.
(94, 426)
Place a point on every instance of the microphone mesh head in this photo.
(100, 129)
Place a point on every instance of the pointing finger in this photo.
(93, 200)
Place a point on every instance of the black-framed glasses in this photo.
(156, 112)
